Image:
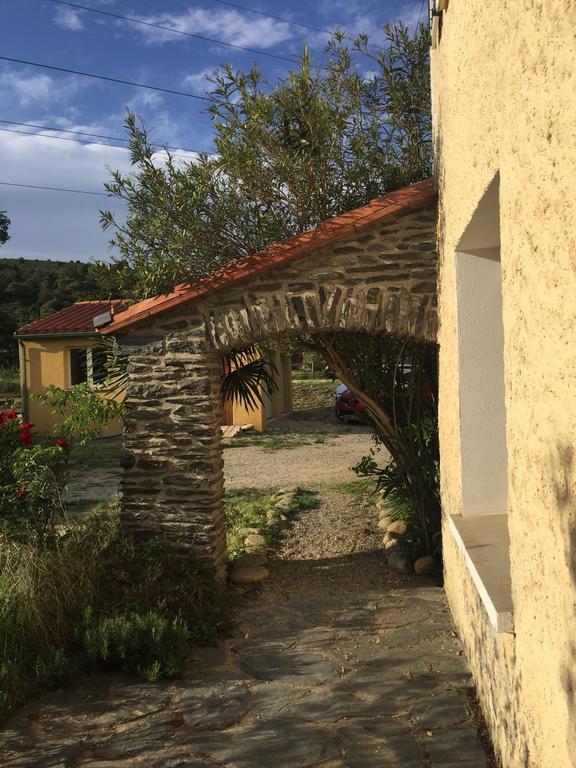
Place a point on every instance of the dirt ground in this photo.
(313, 465)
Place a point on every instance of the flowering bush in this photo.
(32, 477)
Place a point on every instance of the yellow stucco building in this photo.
(504, 114)
(64, 349)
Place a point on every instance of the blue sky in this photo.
(65, 225)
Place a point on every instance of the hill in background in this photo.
(33, 288)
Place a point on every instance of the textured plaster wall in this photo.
(504, 99)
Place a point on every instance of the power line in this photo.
(103, 77)
(54, 189)
(80, 141)
(84, 133)
(277, 18)
(132, 20)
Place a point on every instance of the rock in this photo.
(251, 558)
(425, 566)
(384, 523)
(271, 513)
(398, 527)
(249, 574)
(255, 540)
(272, 521)
(390, 543)
(282, 508)
(398, 562)
(248, 531)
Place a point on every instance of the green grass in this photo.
(312, 393)
(247, 507)
(357, 487)
(9, 387)
(103, 453)
(272, 442)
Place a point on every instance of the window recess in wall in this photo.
(481, 531)
(87, 365)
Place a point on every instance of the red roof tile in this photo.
(74, 319)
(400, 201)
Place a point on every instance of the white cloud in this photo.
(228, 26)
(56, 225)
(69, 18)
(197, 82)
(62, 225)
(36, 89)
(412, 13)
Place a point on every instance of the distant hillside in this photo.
(32, 288)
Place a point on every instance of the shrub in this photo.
(65, 599)
(44, 589)
(149, 644)
(31, 478)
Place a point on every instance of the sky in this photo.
(65, 225)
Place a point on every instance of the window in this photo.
(88, 365)
(481, 531)
(78, 366)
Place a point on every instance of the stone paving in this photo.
(371, 679)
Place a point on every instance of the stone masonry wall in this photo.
(382, 280)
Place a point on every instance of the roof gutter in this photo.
(56, 334)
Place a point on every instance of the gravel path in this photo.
(309, 465)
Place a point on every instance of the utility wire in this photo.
(54, 189)
(80, 141)
(277, 18)
(103, 77)
(84, 133)
(132, 20)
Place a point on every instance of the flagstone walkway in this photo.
(371, 679)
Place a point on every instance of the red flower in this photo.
(26, 425)
(25, 437)
(21, 492)
(61, 443)
(7, 415)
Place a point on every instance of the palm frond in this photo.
(246, 376)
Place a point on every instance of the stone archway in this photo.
(372, 269)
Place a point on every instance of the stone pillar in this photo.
(172, 484)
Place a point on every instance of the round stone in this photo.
(398, 527)
(248, 531)
(425, 566)
(249, 574)
(255, 540)
(390, 543)
(251, 558)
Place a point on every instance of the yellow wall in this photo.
(281, 399)
(47, 362)
(504, 100)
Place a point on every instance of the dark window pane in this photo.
(78, 366)
(99, 371)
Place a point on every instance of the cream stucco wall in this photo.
(45, 361)
(279, 403)
(504, 100)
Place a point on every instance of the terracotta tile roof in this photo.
(400, 201)
(74, 319)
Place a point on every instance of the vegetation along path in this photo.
(335, 663)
